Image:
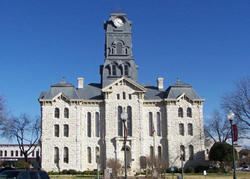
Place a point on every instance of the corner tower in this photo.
(119, 60)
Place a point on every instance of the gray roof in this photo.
(91, 91)
(94, 91)
(178, 88)
(153, 93)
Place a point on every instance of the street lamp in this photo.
(182, 159)
(230, 117)
(124, 117)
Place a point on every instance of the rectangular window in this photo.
(120, 125)
(190, 129)
(33, 153)
(130, 96)
(56, 130)
(97, 124)
(66, 130)
(1, 153)
(181, 129)
(151, 128)
(16, 153)
(12, 153)
(89, 154)
(158, 124)
(118, 96)
(89, 123)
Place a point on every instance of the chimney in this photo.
(80, 82)
(160, 83)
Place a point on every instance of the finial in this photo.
(178, 79)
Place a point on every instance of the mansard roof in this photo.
(93, 91)
(153, 93)
(179, 88)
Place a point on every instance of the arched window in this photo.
(159, 152)
(16, 153)
(190, 129)
(89, 154)
(183, 154)
(151, 128)
(66, 113)
(1, 153)
(57, 113)
(126, 70)
(12, 153)
(89, 124)
(56, 130)
(66, 130)
(189, 112)
(191, 152)
(151, 152)
(66, 155)
(114, 70)
(119, 48)
(180, 112)
(56, 155)
(97, 154)
(129, 122)
(5, 153)
(97, 124)
(120, 127)
(158, 124)
(181, 129)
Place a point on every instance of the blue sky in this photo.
(205, 43)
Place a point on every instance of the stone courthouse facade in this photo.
(84, 122)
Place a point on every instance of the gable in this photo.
(124, 82)
(61, 97)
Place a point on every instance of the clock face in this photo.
(118, 22)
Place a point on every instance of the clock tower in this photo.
(119, 61)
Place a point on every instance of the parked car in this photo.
(24, 174)
(6, 168)
(245, 168)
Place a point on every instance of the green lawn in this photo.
(240, 175)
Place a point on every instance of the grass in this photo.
(240, 175)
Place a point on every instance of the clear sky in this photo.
(205, 43)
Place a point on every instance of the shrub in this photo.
(21, 164)
(189, 170)
(53, 173)
(200, 169)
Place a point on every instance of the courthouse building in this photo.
(82, 122)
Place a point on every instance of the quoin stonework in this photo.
(78, 123)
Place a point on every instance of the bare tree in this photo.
(218, 128)
(24, 130)
(239, 101)
(2, 109)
